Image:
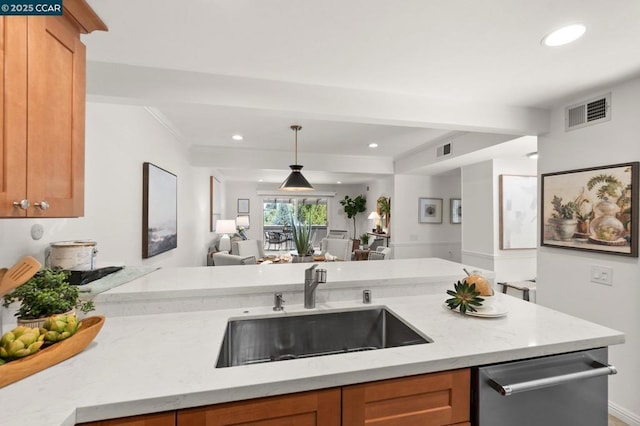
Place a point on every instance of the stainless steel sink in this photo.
(278, 338)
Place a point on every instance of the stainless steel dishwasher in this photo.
(560, 390)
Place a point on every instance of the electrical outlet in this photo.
(37, 231)
(602, 275)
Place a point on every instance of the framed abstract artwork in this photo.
(518, 212)
(430, 210)
(159, 210)
(593, 209)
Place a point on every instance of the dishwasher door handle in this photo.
(599, 369)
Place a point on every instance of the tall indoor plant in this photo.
(47, 293)
(384, 208)
(301, 231)
(353, 206)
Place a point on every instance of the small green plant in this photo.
(353, 206)
(563, 211)
(47, 293)
(365, 239)
(302, 236)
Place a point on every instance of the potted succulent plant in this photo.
(47, 293)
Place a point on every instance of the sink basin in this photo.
(284, 337)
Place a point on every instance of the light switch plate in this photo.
(602, 275)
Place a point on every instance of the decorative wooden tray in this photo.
(19, 369)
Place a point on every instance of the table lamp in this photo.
(225, 227)
(374, 216)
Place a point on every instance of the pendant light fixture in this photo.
(295, 181)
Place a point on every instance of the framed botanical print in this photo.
(593, 209)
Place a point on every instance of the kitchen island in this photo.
(159, 362)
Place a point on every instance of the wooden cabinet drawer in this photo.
(430, 399)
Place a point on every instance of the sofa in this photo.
(223, 258)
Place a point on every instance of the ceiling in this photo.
(407, 75)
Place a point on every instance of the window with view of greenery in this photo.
(277, 212)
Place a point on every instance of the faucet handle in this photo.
(321, 275)
(278, 301)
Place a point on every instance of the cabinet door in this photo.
(157, 419)
(13, 114)
(316, 408)
(426, 400)
(55, 117)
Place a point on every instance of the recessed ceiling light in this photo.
(260, 180)
(237, 137)
(533, 155)
(338, 182)
(564, 35)
(373, 145)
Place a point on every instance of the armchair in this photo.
(248, 248)
(337, 247)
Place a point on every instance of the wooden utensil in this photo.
(18, 274)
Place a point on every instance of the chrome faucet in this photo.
(311, 281)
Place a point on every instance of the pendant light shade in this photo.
(295, 181)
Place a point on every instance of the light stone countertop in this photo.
(159, 362)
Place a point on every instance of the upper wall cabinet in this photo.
(42, 107)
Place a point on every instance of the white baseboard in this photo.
(626, 416)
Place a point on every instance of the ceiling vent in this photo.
(588, 113)
(444, 150)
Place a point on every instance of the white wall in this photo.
(564, 275)
(477, 215)
(410, 239)
(481, 223)
(118, 140)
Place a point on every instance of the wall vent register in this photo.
(443, 150)
(588, 113)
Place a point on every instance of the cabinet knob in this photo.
(42, 205)
(24, 204)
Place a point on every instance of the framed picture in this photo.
(430, 210)
(518, 212)
(243, 206)
(594, 209)
(214, 203)
(455, 206)
(159, 210)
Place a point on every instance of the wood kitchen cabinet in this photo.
(315, 408)
(157, 419)
(426, 400)
(42, 107)
(434, 399)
